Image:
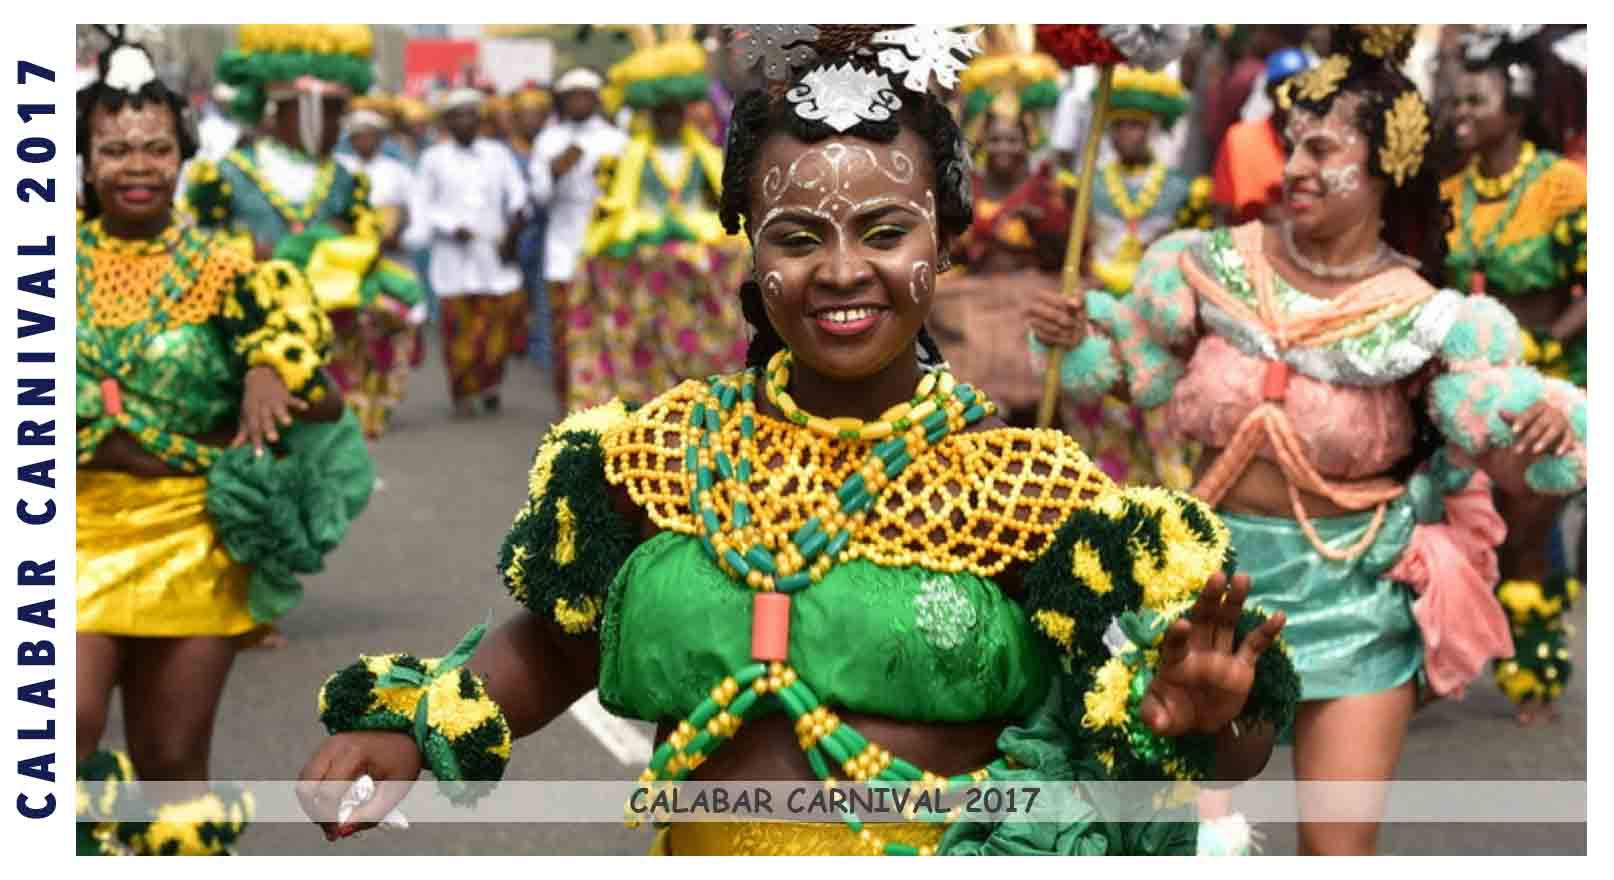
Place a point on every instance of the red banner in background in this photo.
(427, 61)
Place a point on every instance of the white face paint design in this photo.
(1339, 176)
(1341, 181)
(922, 281)
(829, 171)
(773, 284)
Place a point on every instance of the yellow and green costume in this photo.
(1516, 235)
(167, 329)
(1525, 233)
(334, 235)
(655, 300)
(756, 598)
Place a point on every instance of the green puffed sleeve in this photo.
(567, 541)
(269, 318)
(206, 195)
(1569, 239)
(1116, 575)
(1138, 331)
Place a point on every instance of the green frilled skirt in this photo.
(1350, 630)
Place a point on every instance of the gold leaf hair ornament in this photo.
(1315, 84)
(1406, 135)
(1389, 42)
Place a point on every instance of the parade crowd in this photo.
(1042, 402)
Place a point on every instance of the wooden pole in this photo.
(1071, 281)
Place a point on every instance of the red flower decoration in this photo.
(1074, 45)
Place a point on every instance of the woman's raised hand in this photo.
(1203, 679)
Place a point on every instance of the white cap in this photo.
(461, 97)
(579, 79)
(366, 118)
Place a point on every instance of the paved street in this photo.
(418, 571)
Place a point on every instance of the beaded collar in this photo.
(93, 235)
(1497, 187)
(976, 501)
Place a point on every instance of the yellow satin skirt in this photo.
(150, 562)
(783, 838)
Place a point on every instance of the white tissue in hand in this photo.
(362, 790)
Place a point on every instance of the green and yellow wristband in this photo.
(462, 733)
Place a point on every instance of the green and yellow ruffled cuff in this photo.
(462, 733)
(208, 825)
(1111, 709)
(289, 332)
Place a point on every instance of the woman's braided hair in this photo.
(99, 95)
(762, 113)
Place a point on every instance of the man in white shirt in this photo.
(468, 197)
(564, 158)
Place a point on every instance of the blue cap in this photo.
(1285, 63)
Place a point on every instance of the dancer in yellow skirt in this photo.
(194, 367)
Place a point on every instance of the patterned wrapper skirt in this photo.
(638, 326)
(150, 562)
(372, 355)
(478, 335)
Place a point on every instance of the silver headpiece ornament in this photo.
(842, 96)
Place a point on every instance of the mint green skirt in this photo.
(1350, 630)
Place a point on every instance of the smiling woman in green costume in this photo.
(192, 363)
(838, 563)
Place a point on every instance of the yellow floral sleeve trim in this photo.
(294, 335)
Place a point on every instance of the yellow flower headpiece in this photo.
(674, 69)
(1406, 135)
(1146, 94)
(413, 110)
(379, 103)
(318, 39)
